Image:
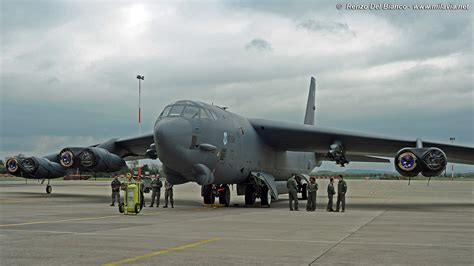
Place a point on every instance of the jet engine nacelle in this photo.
(92, 159)
(429, 161)
(34, 167)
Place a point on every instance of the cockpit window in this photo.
(166, 111)
(204, 114)
(191, 112)
(176, 110)
(214, 116)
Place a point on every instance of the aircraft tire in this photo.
(49, 189)
(137, 208)
(121, 208)
(304, 192)
(224, 196)
(249, 195)
(207, 194)
(265, 197)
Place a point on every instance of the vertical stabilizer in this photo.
(310, 105)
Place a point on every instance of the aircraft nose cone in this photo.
(173, 138)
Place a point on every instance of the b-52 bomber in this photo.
(209, 145)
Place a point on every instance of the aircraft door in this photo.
(239, 158)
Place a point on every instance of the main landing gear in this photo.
(211, 192)
(49, 188)
(254, 191)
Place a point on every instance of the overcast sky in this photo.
(68, 68)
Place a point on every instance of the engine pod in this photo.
(428, 161)
(407, 163)
(434, 161)
(41, 168)
(12, 166)
(100, 160)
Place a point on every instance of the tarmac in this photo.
(386, 222)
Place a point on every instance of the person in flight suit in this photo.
(156, 185)
(292, 185)
(312, 189)
(331, 193)
(115, 190)
(341, 193)
(142, 188)
(168, 194)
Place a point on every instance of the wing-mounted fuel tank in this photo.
(34, 167)
(93, 159)
(427, 161)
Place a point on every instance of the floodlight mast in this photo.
(140, 78)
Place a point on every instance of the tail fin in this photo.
(311, 105)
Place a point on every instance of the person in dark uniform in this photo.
(312, 189)
(156, 185)
(341, 193)
(142, 188)
(115, 190)
(168, 194)
(292, 185)
(331, 193)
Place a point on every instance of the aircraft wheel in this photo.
(137, 208)
(224, 196)
(121, 208)
(266, 197)
(49, 189)
(304, 192)
(207, 194)
(249, 195)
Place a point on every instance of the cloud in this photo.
(259, 45)
(332, 27)
(69, 68)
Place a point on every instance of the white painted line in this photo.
(243, 238)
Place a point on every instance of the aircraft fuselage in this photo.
(192, 136)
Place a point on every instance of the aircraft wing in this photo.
(108, 156)
(300, 137)
(133, 148)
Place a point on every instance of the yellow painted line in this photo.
(159, 252)
(59, 221)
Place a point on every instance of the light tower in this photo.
(140, 78)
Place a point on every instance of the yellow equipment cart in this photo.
(132, 202)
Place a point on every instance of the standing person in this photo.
(115, 190)
(168, 194)
(292, 186)
(312, 188)
(341, 193)
(156, 185)
(142, 188)
(331, 193)
(130, 178)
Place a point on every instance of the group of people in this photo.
(292, 185)
(312, 188)
(156, 185)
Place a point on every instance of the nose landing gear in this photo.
(211, 192)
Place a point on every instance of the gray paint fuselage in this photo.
(239, 149)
